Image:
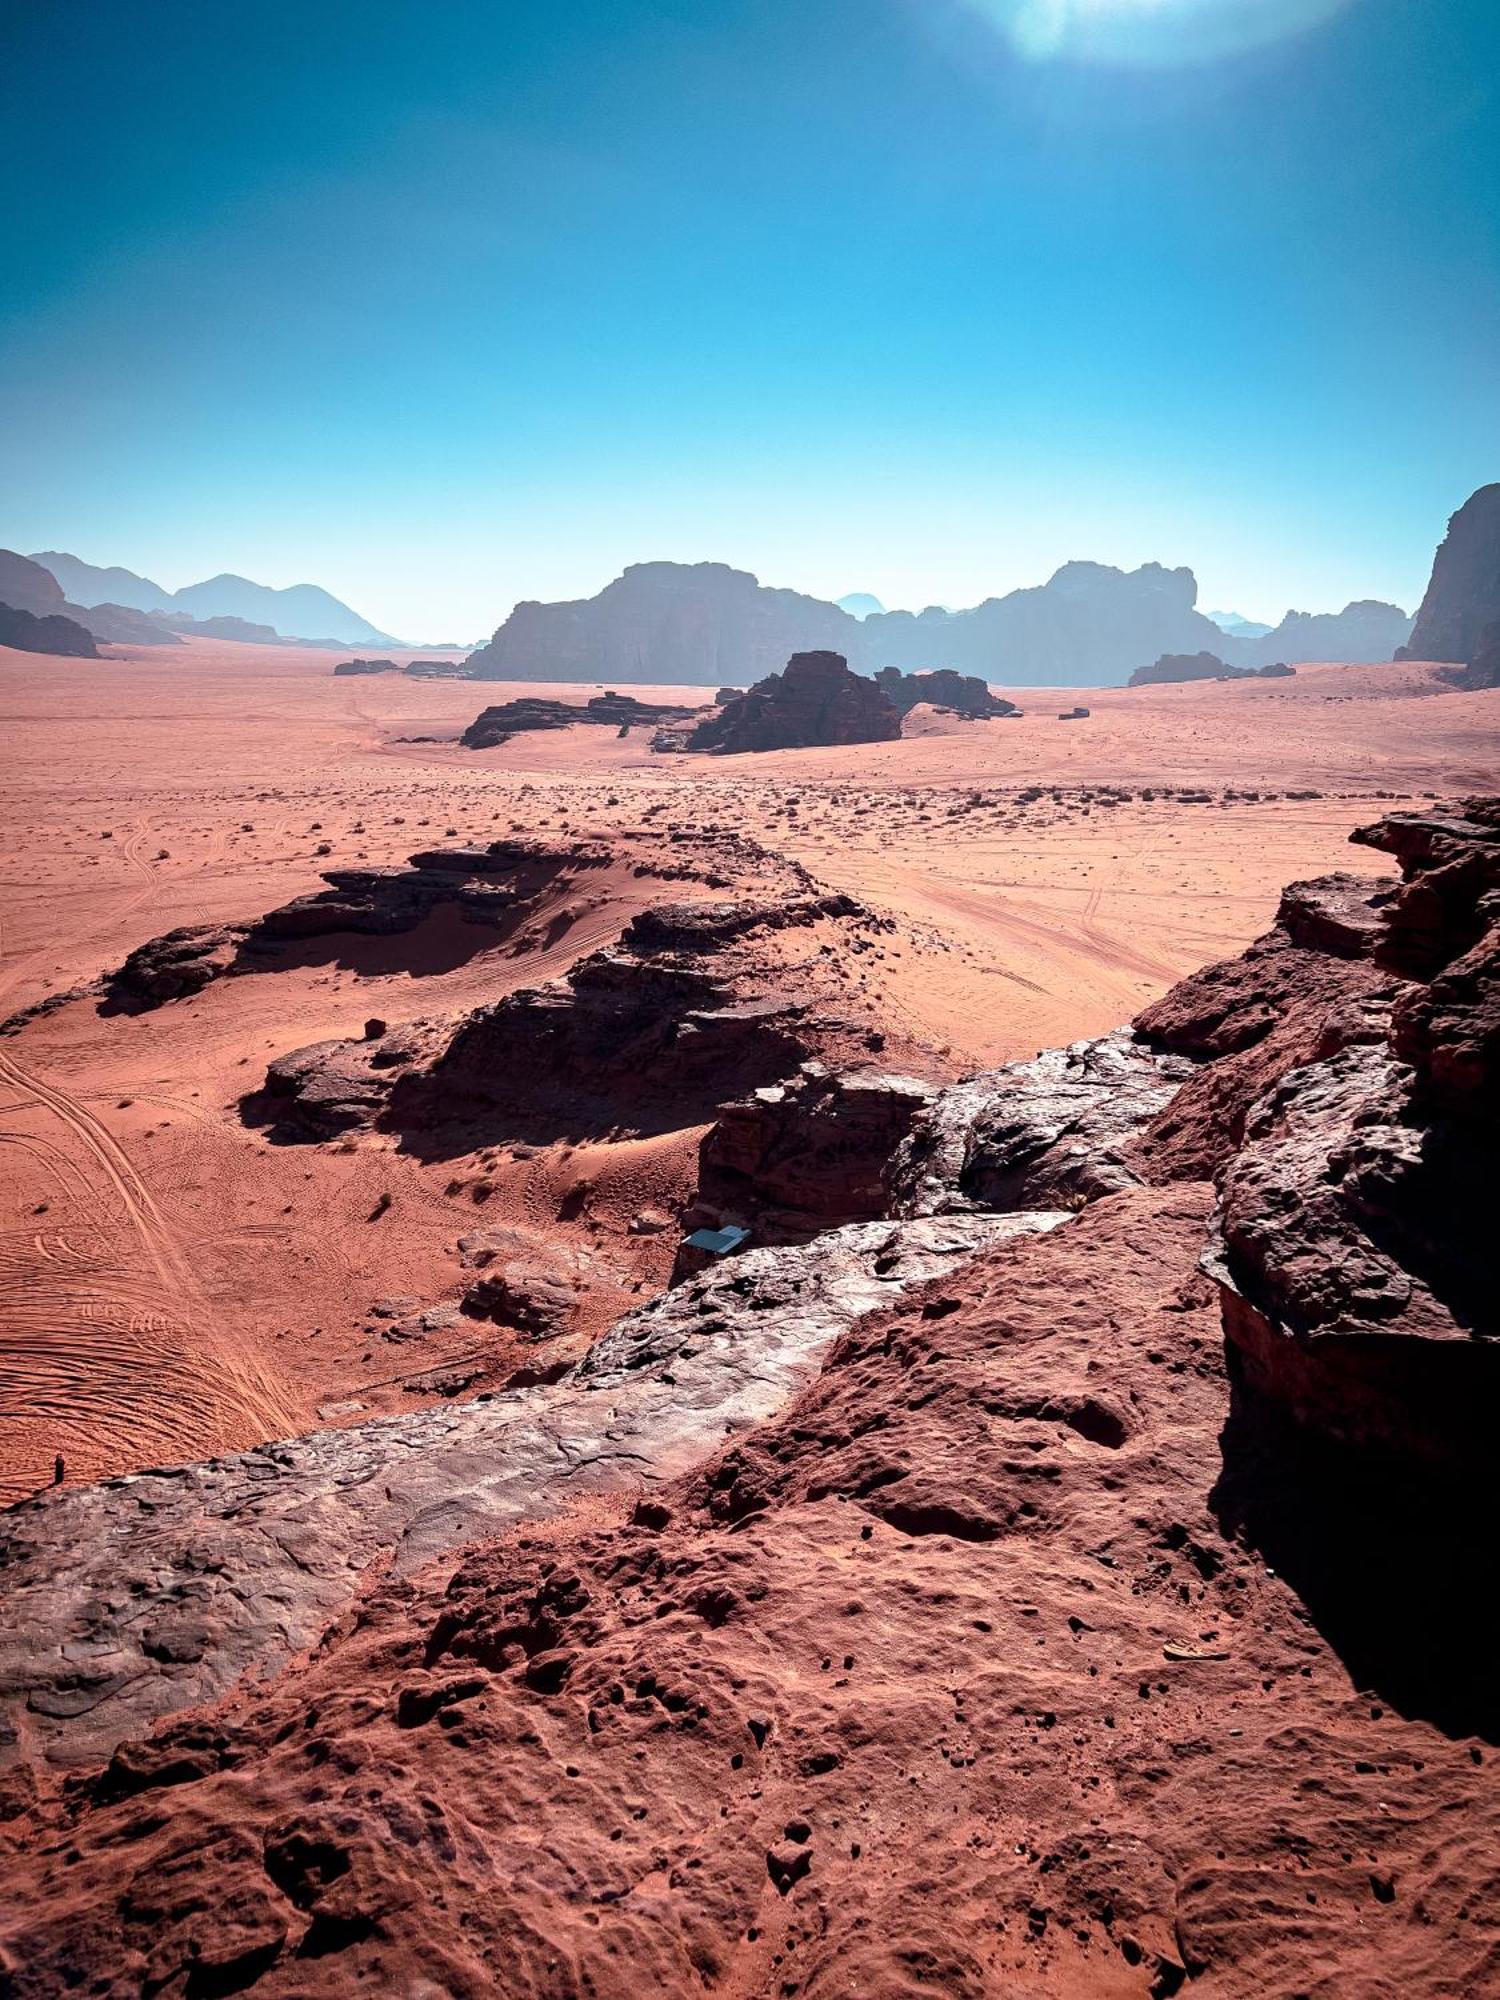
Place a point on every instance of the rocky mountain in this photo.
(27, 586)
(301, 611)
(88, 583)
(815, 700)
(1236, 626)
(1087, 626)
(699, 623)
(1463, 596)
(1365, 629)
(709, 624)
(965, 694)
(859, 604)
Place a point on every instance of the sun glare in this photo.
(1156, 34)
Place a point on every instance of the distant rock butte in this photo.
(1203, 667)
(814, 700)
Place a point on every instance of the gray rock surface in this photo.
(146, 1595)
(1052, 1132)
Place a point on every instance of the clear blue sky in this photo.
(450, 303)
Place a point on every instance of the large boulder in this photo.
(815, 700)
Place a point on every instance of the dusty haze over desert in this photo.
(746, 1192)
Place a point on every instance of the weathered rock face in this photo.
(809, 1154)
(1053, 1132)
(621, 712)
(1483, 669)
(1450, 861)
(1463, 597)
(965, 694)
(624, 1043)
(149, 1594)
(1306, 989)
(1351, 1238)
(979, 1552)
(815, 700)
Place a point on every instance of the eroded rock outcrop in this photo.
(621, 712)
(1351, 1240)
(806, 1155)
(1173, 667)
(496, 887)
(1053, 1132)
(650, 1034)
(814, 700)
(941, 687)
(1463, 595)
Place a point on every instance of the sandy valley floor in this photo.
(175, 1285)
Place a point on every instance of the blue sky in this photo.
(441, 305)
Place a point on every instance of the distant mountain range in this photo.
(302, 611)
(1089, 625)
(1237, 627)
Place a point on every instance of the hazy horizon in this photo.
(445, 311)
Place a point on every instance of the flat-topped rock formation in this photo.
(621, 712)
(650, 1034)
(495, 886)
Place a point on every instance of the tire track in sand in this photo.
(108, 1360)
